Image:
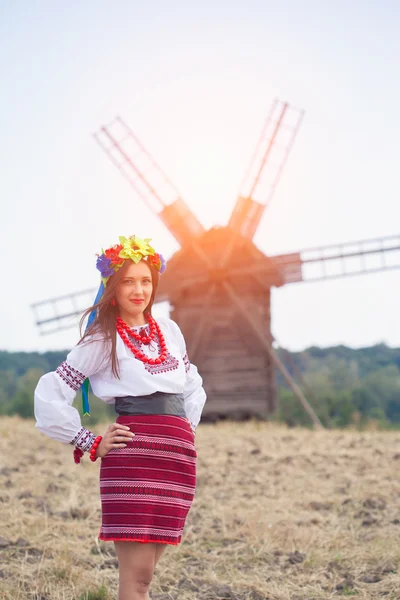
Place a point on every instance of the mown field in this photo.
(279, 514)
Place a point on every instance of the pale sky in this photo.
(195, 81)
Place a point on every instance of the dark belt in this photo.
(159, 403)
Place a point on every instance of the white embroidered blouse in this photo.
(56, 391)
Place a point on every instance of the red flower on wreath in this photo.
(158, 261)
(155, 260)
(113, 254)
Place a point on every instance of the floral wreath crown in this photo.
(133, 248)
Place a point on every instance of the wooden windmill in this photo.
(219, 283)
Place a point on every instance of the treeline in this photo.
(345, 386)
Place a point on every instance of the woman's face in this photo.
(133, 292)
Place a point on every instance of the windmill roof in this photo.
(188, 265)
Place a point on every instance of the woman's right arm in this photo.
(56, 391)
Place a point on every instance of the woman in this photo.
(148, 457)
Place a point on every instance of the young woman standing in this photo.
(148, 456)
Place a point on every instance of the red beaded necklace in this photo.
(144, 339)
(125, 331)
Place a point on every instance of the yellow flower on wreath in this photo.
(135, 248)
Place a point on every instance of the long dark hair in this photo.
(106, 313)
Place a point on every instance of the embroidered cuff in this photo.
(72, 377)
(84, 439)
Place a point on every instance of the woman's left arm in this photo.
(194, 394)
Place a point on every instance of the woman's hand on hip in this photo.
(116, 436)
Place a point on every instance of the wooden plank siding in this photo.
(235, 406)
(237, 372)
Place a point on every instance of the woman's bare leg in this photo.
(159, 551)
(137, 562)
(136, 567)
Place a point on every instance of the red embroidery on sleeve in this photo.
(72, 377)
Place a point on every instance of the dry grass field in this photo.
(279, 514)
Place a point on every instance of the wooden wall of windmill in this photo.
(239, 376)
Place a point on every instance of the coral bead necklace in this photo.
(144, 339)
(125, 332)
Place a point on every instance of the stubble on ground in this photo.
(279, 514)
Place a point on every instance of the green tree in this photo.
(22, 401)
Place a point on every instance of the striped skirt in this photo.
(148, 487)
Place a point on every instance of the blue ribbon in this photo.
(85, 385)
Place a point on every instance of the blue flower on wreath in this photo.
(103, 264)
(163, 263)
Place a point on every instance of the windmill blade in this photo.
(340, 260)
(62, 312)
(148, 180)
(265, 167)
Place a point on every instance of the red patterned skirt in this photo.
(148, 487)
